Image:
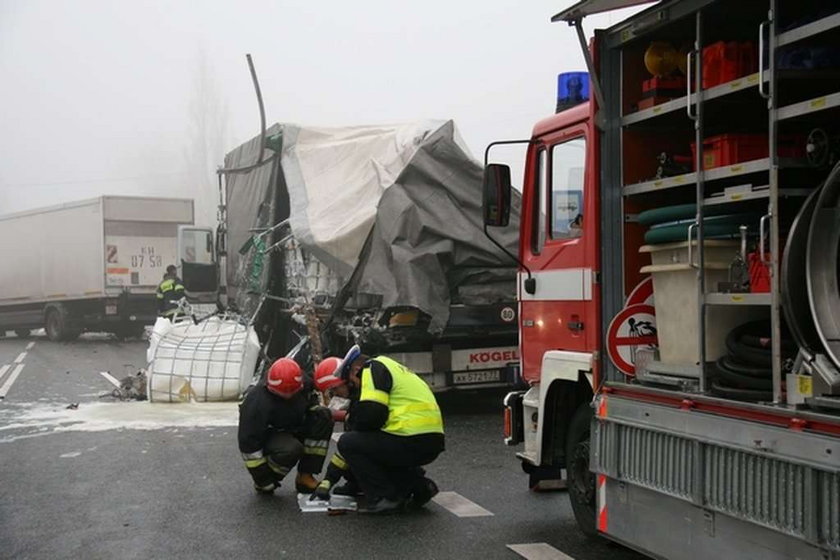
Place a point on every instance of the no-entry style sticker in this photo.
(632, 329)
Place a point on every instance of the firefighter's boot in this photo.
(305, 483)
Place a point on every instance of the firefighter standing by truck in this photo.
(169, 292)
(280, 426)
(397, 429)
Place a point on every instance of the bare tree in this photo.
(208, 138)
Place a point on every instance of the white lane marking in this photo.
(459, 505)
(3, 370)
(71, 454)
(20, 357)
(111, 379)
(539, 551)
(30, 345)
(4, 390)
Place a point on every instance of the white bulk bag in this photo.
(211, 361)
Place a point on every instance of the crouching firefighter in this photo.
(397, 428)
(328, 382)
(280, 426)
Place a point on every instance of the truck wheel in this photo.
(581, 481)
(23, 333)
(56, 325)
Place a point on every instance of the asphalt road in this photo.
(110, 479)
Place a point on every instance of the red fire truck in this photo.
(678, 280)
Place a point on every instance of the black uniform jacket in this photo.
(262, 411)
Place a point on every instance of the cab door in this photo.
(558, 246)
(198, 266)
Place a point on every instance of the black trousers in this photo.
(306, 447)
(388, 466)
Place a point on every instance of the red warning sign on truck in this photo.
(633, 328)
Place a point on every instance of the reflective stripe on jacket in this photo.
(412, 408)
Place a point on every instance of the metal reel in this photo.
(817, 147)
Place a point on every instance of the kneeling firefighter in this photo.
(397, 428)
(328, 382)
(280, 426)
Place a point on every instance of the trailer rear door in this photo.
(141, 239)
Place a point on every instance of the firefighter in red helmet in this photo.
(327, 381)
(280, 426)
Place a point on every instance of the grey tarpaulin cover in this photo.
(402, 203)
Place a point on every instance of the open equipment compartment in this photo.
(680, 443)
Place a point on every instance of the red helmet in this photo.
(325, 374)
(284, 378)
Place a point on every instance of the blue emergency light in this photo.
(572, 89)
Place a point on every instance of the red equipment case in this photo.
(725, 61)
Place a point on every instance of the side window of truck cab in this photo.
(540, 189)
(568, 160)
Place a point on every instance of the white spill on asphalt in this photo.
(25, 420)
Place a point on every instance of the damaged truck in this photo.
(371, 235)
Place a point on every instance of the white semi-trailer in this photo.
(91, 265)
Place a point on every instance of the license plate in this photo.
(487, 376)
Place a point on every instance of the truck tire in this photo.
(581, 481)
(57, 325)
(23, 333)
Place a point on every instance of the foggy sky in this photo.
(100, 97)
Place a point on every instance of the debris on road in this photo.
(131, 387)
(336, 504)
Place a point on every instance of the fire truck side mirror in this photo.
(496, 195)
